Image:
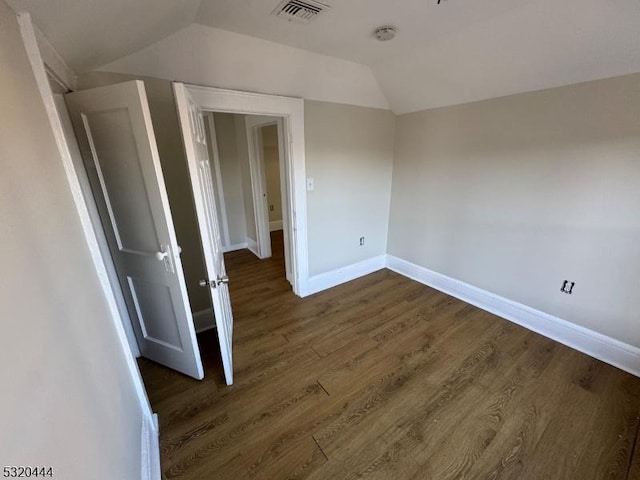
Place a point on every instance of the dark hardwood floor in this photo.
(384, 378)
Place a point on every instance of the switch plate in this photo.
(310, 184)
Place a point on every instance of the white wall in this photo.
(349, 154)
(68, 400)
(218, 58)
(516, 194)
(231, 177)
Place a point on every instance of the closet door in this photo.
(118, 146)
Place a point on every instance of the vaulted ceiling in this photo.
(454, 52)
(90, 33)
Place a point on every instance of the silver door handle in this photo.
(162, 255)
(213, 284)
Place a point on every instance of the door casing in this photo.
(291, 110)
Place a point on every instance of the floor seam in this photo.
(320, 448)
(322, 387)
(633, 448)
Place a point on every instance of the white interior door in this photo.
(116, 139)
(253, 125)
(193, 131)
(285, 202)
(223, 221)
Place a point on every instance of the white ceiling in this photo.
(346, 29)
(90, 33)
(455, 52)
(540, 45)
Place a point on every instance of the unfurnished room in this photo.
(301, 239)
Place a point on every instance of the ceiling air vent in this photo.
(299, 11)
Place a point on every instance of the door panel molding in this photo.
(213, 145)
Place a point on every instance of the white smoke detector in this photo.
(385, 33)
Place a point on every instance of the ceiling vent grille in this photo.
(299, 11)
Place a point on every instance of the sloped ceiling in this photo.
(90, 33)
(455, 52)
(211, 56)
(345, 30)
(461, 50)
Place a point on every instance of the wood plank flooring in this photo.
(384, 378)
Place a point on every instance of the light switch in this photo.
(310, 185)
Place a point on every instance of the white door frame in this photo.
(292, 112)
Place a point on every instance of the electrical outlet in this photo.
(361, 241)
(271, 208)
(567, 287)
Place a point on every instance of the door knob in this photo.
(210, 283)
(164, 255)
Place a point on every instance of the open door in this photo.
(118, 145)
(193, 131)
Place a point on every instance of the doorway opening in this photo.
(249, 166)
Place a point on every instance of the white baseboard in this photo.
(204, 320)
(597, 345)
(233, 248)
(275, 225)
(317, 283)
(150, 445)
(253, 246)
